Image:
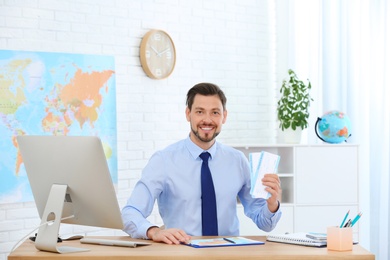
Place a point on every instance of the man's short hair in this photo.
(205, 89)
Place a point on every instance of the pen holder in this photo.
(339, 239)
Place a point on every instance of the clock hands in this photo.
(164, 51)
(155, 50)
(159, 53)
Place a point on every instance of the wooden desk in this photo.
(270, 250)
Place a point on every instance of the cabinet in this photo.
(319, 183)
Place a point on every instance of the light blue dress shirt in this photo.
(172, 176)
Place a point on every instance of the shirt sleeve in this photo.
(256, 208)
(141, 202)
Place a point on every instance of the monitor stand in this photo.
(47, 236)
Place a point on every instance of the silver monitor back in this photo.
(80, 163)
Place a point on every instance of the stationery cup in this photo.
(339, 239)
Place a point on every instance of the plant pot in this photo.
(292, 136)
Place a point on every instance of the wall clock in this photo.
(157, 54)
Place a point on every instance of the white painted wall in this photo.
(227, 42)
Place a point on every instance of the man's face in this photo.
(206, 118)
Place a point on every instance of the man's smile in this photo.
(207, 128)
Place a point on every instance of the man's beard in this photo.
(204, 139)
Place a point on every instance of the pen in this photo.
(229, 240)
(348, 223)
(345, 218)
(356, 219)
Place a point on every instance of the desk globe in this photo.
(333, 127)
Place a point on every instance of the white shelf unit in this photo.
(319, 183)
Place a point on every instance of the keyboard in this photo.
(112, 242)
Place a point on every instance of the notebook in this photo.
(112, 242)
(296, 239)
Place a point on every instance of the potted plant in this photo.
(293, 105)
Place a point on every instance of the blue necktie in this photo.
(209, 205)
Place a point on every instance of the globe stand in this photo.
(315, 129)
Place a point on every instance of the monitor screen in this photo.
(69, 174)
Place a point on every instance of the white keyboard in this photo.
(112, 242)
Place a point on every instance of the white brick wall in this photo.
(227, 42)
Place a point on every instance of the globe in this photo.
(333, 127)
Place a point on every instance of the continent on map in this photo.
(12, 96)
(78, 100)
(12, 86)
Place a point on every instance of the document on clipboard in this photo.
(260, 164)
(225, 241)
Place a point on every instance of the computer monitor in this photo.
(71, 183)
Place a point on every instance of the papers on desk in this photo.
(260, 164)
(226, 241)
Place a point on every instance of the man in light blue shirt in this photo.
(172, 176)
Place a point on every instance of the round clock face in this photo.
(157, 54)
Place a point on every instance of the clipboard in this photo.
(223, 241)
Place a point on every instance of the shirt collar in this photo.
(195, 150)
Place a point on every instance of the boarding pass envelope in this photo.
(260, 164)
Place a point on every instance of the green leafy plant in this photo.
(293, 105)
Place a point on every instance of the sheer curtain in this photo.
(344, 48)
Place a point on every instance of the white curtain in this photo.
(344, 48)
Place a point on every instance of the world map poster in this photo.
(44, 93)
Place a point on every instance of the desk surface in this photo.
(270, 250)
